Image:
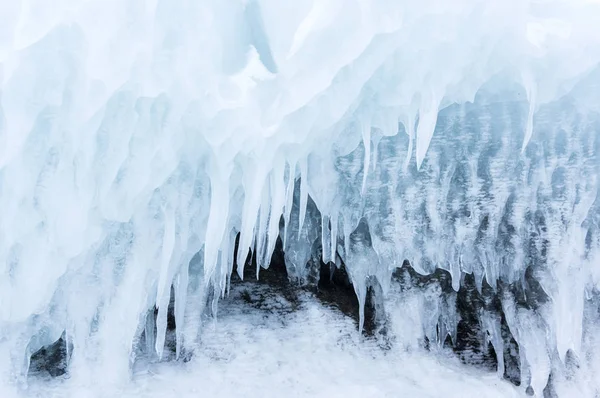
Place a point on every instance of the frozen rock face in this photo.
(139, 139)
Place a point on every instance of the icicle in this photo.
(163, 292)
(269, 225)
(478, 276)
(261, 229)
(180, 287)
(568, 293)
(223, 266)
(334, 232)
(161, 325)
(428, 114)
(167, 252)
(531, 90)
(491, 324)
(289, 200)
(325, 236)
(303, 194)
(217, 220)
(252, 202)
(196, 299)
(277, 206)
(455, 274)
(230, 259)
(491, 272)
(360, 287)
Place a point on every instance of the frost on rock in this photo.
(146, 148)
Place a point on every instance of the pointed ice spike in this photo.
(257, 269)
(164, 281)
(277, 205)
(230, 259)
(303, 194)
(161, 325)
(223, 265)
(217, 218)
(289, 200)
(427, 120)
(252, 202)
(325, 236)
(455, 275)
(478, 276)
(531, 90)
(334, 232)
(492, 325)
(181, 284)
(167, 252)
(261, 230)
(360, 287)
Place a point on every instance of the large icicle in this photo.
(219, 207)
(428, 113)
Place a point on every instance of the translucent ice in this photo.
(147, 147)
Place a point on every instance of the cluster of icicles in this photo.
(477, 206)
(138, 142)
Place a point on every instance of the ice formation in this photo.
(140, 139)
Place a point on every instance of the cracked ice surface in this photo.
(458, 135)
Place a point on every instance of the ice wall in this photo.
(134, 134)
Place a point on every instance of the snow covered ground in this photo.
(263, 345)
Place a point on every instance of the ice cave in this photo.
(309, 198)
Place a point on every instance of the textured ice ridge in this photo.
(135, 135)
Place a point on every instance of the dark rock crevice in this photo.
(51, 360)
